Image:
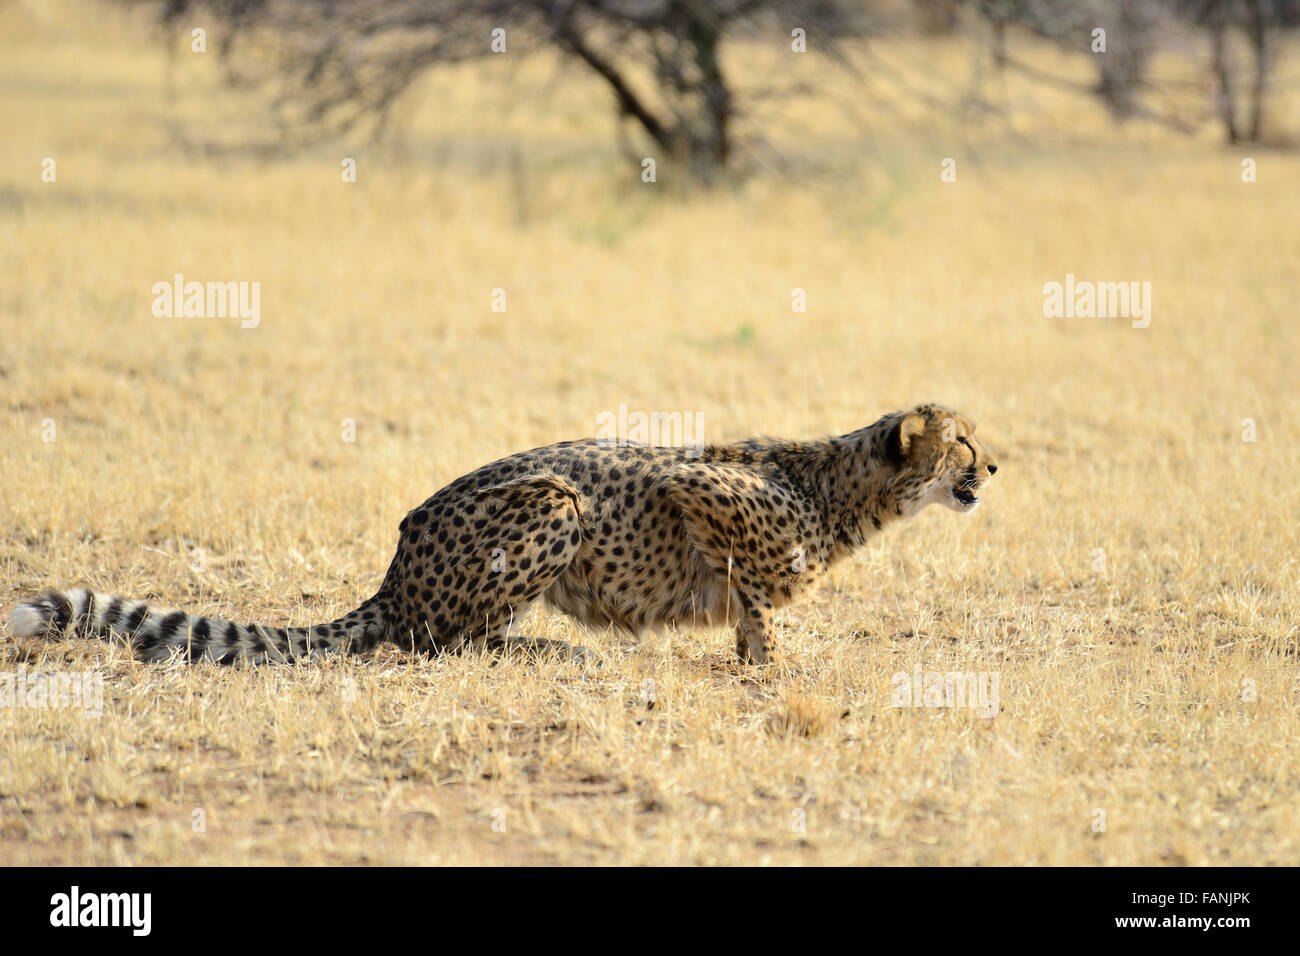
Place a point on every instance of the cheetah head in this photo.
(938, 458)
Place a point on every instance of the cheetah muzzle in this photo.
(636, 537)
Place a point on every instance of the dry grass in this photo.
(1121, 689)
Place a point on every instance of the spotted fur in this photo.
(633, 536)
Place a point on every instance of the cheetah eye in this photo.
(969, 449)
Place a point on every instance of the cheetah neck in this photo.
(850, 481)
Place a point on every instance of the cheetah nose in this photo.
(992, 467)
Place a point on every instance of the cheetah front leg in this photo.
(755, 635)
(741, 524)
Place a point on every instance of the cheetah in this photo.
(634, 536)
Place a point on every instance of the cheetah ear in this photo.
(900, 439)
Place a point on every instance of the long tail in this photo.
(156, 634)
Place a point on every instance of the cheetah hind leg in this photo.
(546, 509)
(742, 647)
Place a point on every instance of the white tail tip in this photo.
(28, 621)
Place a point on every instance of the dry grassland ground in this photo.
(1130, 579)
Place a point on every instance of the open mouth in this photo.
(965, 496)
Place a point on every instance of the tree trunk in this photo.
(1261, 13)
(713, 147)
(1222, 72)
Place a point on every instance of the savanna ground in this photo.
(1131, 576)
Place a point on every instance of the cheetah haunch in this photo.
(637, 537)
